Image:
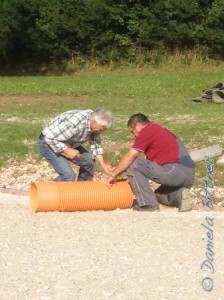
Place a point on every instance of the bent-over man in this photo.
(166, 162)
(61, 142)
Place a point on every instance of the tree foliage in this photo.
(40, 31)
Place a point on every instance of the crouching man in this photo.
(166, 162)
(61, 141)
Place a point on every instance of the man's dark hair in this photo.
(137, 118)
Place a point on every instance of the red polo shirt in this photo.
(158, 144)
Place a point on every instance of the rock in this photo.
(220, 161)
(201, 154)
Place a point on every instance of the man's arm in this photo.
(70, 153)
(108, 168)
(124, 163)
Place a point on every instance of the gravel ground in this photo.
(119, 254)
(18, 177)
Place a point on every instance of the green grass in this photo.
(147, 85)
(27, 103)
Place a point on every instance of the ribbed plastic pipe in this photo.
(79, 196)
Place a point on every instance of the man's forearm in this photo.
(124, 163)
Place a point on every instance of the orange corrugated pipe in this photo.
(79, 196)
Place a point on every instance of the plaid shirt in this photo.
(71, 129)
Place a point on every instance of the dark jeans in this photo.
(63, 166)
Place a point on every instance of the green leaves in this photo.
(106, 31)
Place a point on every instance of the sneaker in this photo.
(146, 208)
(184, 202)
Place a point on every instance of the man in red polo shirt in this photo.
(166, 162)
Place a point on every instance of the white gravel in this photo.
(119, 254)
(19, 176)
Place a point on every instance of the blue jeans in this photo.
(63, 165)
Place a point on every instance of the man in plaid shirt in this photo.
(61, 143)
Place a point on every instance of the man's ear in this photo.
(139, 126)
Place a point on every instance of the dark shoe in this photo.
(184, 202)
(146, 208)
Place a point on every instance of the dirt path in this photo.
(118, 254)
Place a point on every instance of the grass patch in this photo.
(28, 103)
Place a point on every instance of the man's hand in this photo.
(108, 168)
(110, 180)
(70, 153)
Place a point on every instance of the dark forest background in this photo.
(38, 33)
